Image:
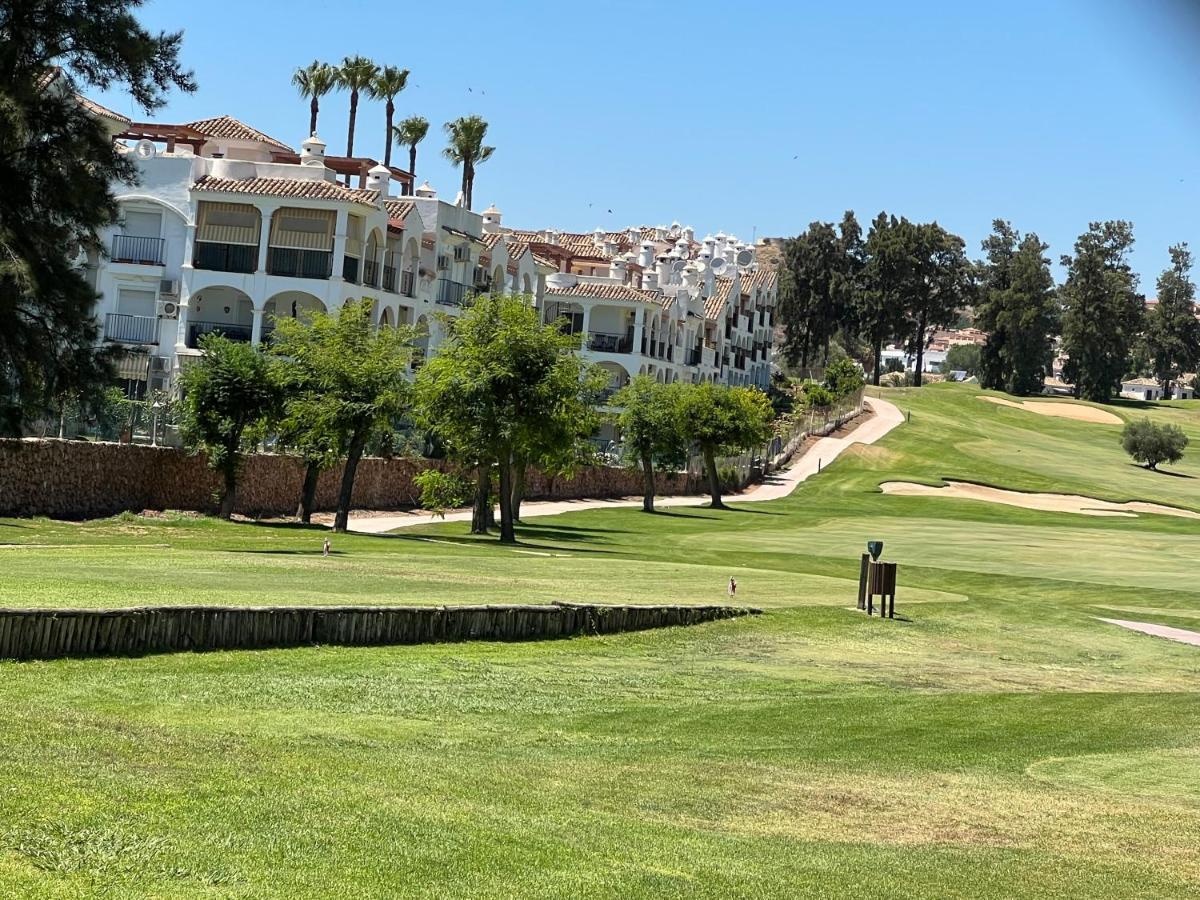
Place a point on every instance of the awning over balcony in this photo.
(228, 223)
(303, 229)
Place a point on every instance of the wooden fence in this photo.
(50, 633)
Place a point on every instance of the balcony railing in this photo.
(225, 257)
(451, 293)
(350, 269)
(604, 342)
(408, 284)
(234, 332)
(299, 263)
(131, 329)
(371, 273)
(143, 251)
(389, 279)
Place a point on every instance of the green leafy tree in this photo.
(1102, 312)
(308, 428)
(465, 148)
(723, 420)
(887, 276)
(409, 133)
(1149, 443)
(1018, 309)
(843, 377)
(389, 81)
(314, 81)
(651, 429)
(939, 282)
(57, 168)
(501, 384)
(356, 74)
(962, 358)
(441, 491)
(352, 377)
(229, 396)
(1173, 331)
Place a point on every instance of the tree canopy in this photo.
(724, 420)
(349, 381)
(652, 429)
(1018, 308)
(230, 394)
(57, 168)
(504, 388)
(1172, 329)
(1103, 314)
(1149, 443)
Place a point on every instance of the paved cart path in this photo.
(1164, 631)
(884, 418)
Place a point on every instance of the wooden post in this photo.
(864, 563)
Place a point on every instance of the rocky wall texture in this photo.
(85, 479)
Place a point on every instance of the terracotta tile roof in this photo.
(97, 110)
(286, 187)
(579, 243)
(764, 277)
(234, 130)
(491, 240)
(610, 292)
(398, 209)
(717, 301)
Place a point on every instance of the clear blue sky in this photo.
(749, 117)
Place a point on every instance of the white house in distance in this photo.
(1150, 389)
(230, 230)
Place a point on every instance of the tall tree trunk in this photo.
(507, 533)
(346, 495)
(387, 146)
(229, 494)
(412, 167)
(648, 483)
(714, 480)
(483, 490)
(313, 108)
(518, 487)
(919, 367)
(350, 128)
(878, 362)
(308, 492)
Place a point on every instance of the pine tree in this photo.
(57, 165)
(1173, 331)
(1102, 312)
(1018, 309)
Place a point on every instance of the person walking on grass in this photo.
(732, 587)
(325, 548)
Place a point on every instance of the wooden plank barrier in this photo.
(51, 633)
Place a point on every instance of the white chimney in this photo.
(650, 280)
(617, 270)
(689, 234)
(379, 178)
(491, 220)
(599, 237)
(664, 271)
(312, 152)
(646, 255)
(425, 190)
(660, 232)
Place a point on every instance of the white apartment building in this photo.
(655, 301)
(229, 230)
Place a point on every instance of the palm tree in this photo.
(466, 149)
(356, 73)
(314, 81)
(409, 133)
(389, 81)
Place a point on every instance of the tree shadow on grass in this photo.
(1161, 471)
(567, 535)
(669, 513)
(314, 552)
(756, 512)
(486, 541)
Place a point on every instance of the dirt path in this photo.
(820, 454)
(1164, 631)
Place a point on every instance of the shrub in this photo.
(817, 396)
(729, 478)
(1150, 444)
(441, 491)
(844, 377)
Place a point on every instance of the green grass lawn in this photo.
(1000, 743)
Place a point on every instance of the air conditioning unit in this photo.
(443, 263)
(168, 309)
(168, 289)
(461, 252)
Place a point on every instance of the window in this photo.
(142, 224)
(132, 302)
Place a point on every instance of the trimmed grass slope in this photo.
(1002, 743)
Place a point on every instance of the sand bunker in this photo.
(1078, 411)
(1072, 503)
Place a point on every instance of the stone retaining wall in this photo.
(86, 479)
